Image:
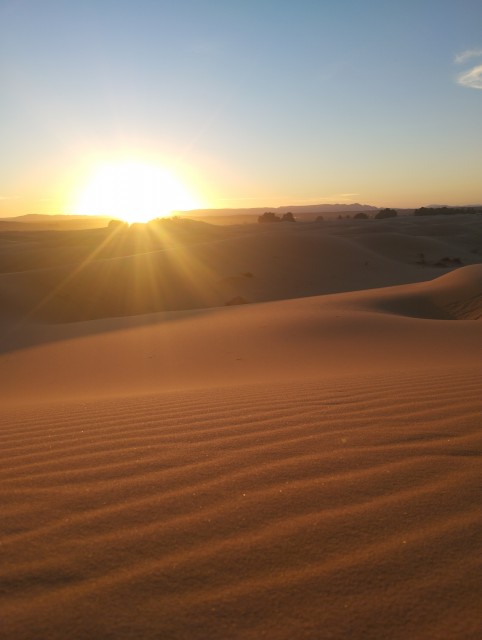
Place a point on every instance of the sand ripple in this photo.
(348, 509)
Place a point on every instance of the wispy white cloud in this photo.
(471, 78)
(468, 55)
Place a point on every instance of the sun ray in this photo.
(90, 258)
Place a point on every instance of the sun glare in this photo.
(132, 191)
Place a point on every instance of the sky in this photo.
(249, 103)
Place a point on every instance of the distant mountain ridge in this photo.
(333, 208)
(43, 217)
(306, 208)
(45, 222)
(327, 208)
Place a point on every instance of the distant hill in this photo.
(39, 222)
(42, 217)
(229, 216)
(328, 208)
(309, 208)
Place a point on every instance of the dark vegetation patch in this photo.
(446, 262)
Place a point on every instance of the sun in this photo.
(132, 191)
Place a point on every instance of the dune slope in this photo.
(397, 328)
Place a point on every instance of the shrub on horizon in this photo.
(386, 213)
(288, 217)
(269, 216)
(446, 211)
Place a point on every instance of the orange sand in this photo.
(302, 467)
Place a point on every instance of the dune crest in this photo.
(454, 296)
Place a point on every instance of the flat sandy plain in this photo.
(254, 431)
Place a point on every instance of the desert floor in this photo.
(245, 431)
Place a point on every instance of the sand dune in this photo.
(395, 328)
(454, 296)
(302, 467)
(256, 268)
(203, 267)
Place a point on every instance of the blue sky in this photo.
(253, 102)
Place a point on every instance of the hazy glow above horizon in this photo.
(132, 191)
(261, 102)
